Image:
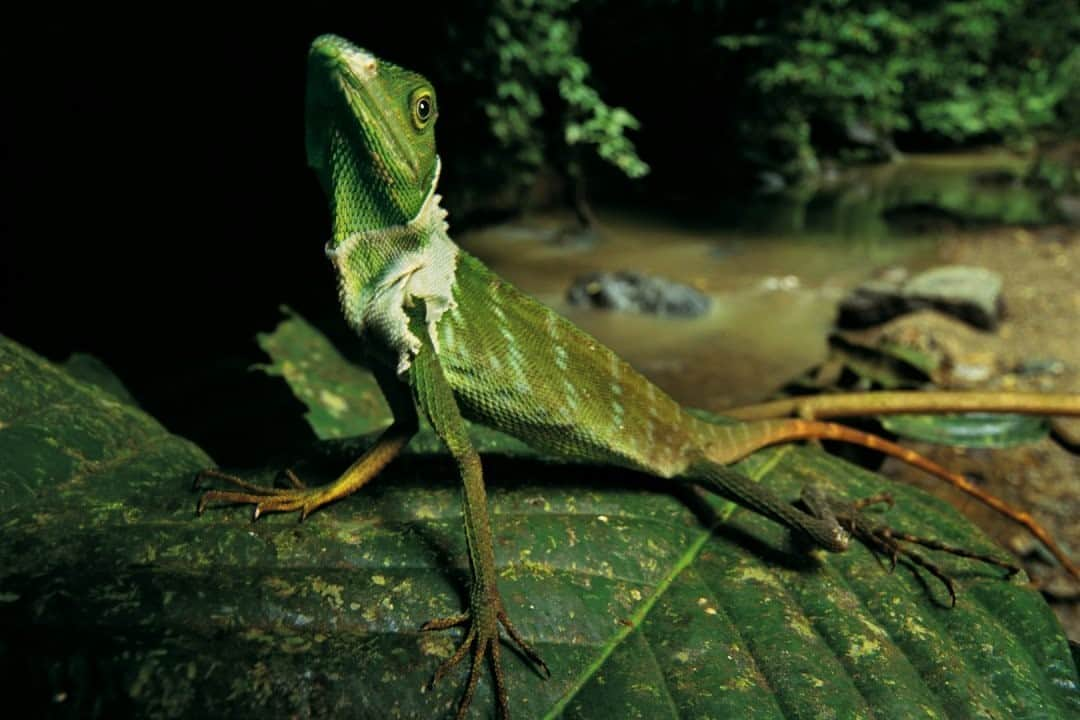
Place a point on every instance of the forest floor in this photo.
(1036, 348)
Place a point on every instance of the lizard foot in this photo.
(297, 496)
(482, 640)
(886, 541)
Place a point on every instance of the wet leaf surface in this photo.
(115, 600)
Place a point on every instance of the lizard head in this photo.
(370, 136)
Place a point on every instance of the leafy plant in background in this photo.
(796, 82)
(861, 71)
(536, 96)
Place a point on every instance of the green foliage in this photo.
(794, 82)
(956, 70)
(530, 49)
(1057, 166)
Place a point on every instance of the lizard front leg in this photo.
(486, 613)
(305, 499)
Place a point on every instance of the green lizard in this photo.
(450, 340)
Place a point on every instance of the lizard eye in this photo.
(423, 108)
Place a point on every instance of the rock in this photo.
(861, 132)
(971, 294)
(919, 347)
(872, 303)
(629, 291)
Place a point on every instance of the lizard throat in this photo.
(429, 219)
(420, 263)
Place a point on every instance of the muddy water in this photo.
(775, 273)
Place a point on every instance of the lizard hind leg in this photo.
(831, 523)
(820, 524)
(770, 432)
(884, 540)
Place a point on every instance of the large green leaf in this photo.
(343, 400)
(116, 600)
(975, 430)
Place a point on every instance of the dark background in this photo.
(159, 208)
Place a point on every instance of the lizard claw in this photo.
(482, 640)
(889, 542)
(297, 497)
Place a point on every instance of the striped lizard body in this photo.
(518, 366)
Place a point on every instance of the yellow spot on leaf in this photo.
(426, 513)
(280, 587)
(757, 574)
(801, 626)
(331, 592)
(334, 403)
(538, 569)
(873, 627)
(863, 647)
(916, 628)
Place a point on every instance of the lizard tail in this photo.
(730, 443)
(734, 442)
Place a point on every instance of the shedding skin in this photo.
(450, 341)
